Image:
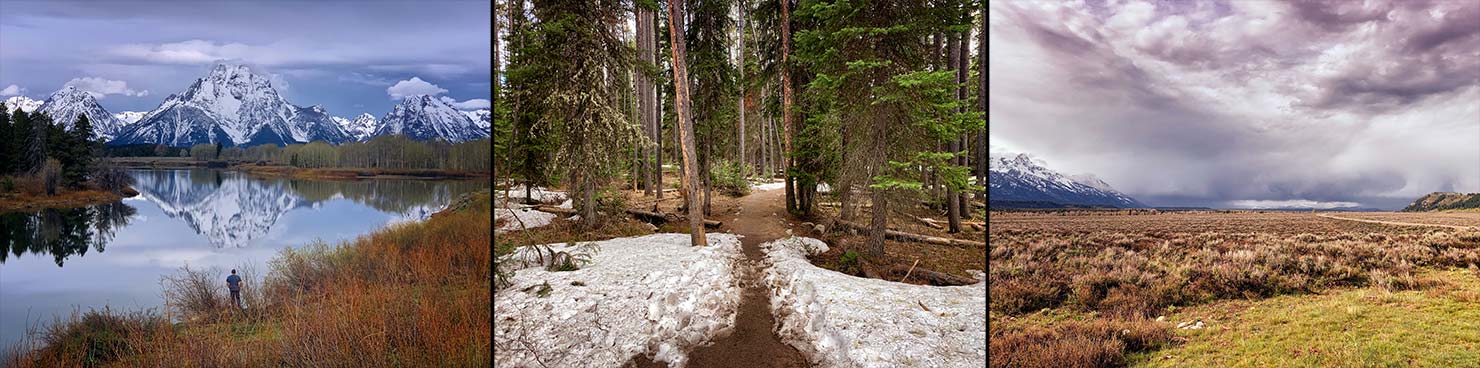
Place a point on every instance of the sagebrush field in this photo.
(1233, 288)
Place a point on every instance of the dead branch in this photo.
(903, 236)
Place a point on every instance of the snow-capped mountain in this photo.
(1019, 178)
(425, 118)
(232, 105)
(129, 117)
(480, 116)
(359, 129)
(21, 102)
(65, 105)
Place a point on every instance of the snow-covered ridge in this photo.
(129, 117)
(839, 320)
(1020, 177)
(66, 104)
(425, 117)
(361, 128)
(22, 103)
(232, 104)
(653, 295)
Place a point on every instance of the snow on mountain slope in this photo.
(65, 105)
(1019, 178)
(359, 129)
(21, 102)
(235, 105)
(481, 117)
(426, 118)
(129, 117)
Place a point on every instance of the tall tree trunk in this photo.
(681, 105)
(981, 136)
(588, 193)
(646, 99)
(963, 71)
(786, 98)
(741, 157)
(879, 224)
(708, 163)
(953, 207)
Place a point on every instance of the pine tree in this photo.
(7, 144)
(78, 161)
(685, 128)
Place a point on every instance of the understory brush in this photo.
(1073, 343)
(1136, 275)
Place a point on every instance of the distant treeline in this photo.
(385, 152)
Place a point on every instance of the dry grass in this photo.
(1136, 265)
(413, 294)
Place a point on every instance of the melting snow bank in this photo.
(519, 219)
(845, 321)
(652, 295)
(768, 186)
(538, 193)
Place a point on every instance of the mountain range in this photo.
(1020, 182)
(236, 105)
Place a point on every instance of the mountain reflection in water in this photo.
(228, 208)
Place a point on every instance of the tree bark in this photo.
(681, 104)
(879, 223)
(741, 158)
(953, 201)
(646, 99)
(786, 99)
(981, 136)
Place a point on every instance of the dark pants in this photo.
(236, 297)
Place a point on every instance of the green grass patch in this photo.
(1368, 327)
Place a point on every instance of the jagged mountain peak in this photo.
(66, 104)
(426, 117)
(1021, 178)
(22, 103)
(236, 105)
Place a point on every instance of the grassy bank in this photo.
(413, 294)
(25, 202)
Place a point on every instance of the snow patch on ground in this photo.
(520, 219)
(768, 186)
(652, 295)
(845, 321)
(538, 193)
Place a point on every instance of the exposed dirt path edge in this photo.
(761, 218)
(1394, 222)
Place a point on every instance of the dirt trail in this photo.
(1394, 222)
(761, 218)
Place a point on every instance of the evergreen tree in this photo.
(78, 162)
(871, 67)
(7, 157)
(580, 54)
(713, 81)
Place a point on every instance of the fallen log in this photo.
(651, 217)
(903, 236)
(926, 221)
(933, 277)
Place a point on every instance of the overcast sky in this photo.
(345, 55)
(1243, 103)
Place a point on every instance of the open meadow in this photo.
(1233, 288)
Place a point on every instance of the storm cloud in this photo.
(341, 54)
(1243, 103)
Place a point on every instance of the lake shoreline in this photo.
(376, 301)
(343, 173)
(17, 202)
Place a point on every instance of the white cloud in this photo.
(12, 90)
(186, 52)
(1297, 203)
(472, 104)
(100, 87)
(413, 87)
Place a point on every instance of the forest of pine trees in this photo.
(881, 101)
(41, 156)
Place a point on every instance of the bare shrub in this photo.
(194, 294)
(1094, 343)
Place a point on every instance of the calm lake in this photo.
(55, 261)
